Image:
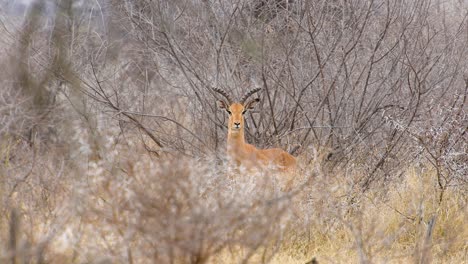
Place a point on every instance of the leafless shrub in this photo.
(177, 212)
(330, 78)
(445, 144)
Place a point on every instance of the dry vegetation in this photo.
(112, 147)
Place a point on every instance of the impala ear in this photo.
(251, 104)
(223, 105)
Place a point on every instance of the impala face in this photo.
(236, 117)
(236, 113)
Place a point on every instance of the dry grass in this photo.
(130, 207)
(385, 226)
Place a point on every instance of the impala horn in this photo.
(223, 93)
(250, 93)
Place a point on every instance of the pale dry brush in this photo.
(330, 71)
(176, 210)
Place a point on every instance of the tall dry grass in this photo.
(133, 208)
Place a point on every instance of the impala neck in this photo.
(235, 140)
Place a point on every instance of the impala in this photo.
(240, 151)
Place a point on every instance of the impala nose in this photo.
(237, 125)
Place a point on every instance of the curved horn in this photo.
(223, 93)
(250, 93)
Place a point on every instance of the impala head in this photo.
(237, 110)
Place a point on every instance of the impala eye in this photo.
(243, 112)
(229, 112)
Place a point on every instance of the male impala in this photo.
(241, 152)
